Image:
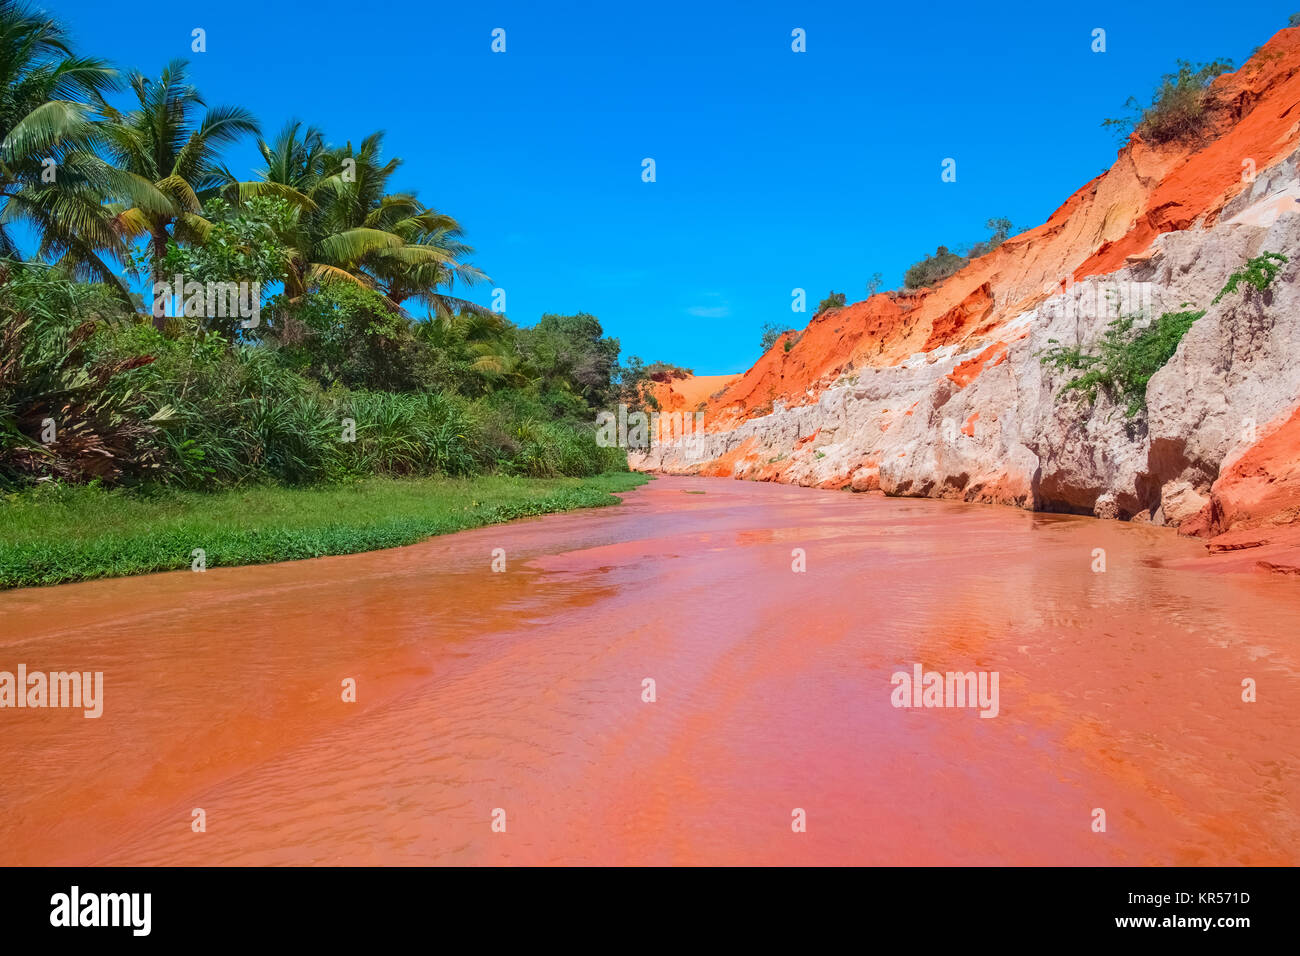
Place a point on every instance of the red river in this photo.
(517, 696)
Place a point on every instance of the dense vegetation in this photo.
(362, 359)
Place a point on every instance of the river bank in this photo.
(64, 534)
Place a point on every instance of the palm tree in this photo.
(51, 178)
(166, 143)
(403, 274)
(483, 339)
(350, 228)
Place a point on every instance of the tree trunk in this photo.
(158, 249)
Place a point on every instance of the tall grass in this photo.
(135, 406)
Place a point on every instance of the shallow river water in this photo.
(522, 691)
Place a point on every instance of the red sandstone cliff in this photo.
(889, 374)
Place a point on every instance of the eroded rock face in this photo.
(990, 424)
(943, 392)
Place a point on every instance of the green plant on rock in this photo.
(1125, 360)
(1258, 273)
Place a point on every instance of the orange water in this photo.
(523, 691)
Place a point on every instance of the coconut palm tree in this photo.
(350, 228)
(403, 274)
(168, 143)
(51, 178)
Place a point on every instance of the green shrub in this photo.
(343, 333)
(933, 269)
(1125, 360)
(771, 335)
(51, 381)
(551, 449)
(834, 300)
(419, 434)
(1181, 107)
(1258, 273)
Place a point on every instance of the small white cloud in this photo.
(719, 310)
(709, 311)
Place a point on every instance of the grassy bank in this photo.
(58, 534)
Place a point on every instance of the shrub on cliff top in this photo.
(933, 269)
(772, 334)
(834, 300)
(1181, 106)
(1001, 227)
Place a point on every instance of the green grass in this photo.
(67, 533)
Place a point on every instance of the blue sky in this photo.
(775, 169)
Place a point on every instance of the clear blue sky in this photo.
(775, 169)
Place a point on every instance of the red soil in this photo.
(1255, 504)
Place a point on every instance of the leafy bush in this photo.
(573, 353)
(346, 334)
(933, 269)
(771, 335)
(834, 300)
(62, 414)
(1181, 107)
(1258, 273)
(1125, 361)
(240, 244)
